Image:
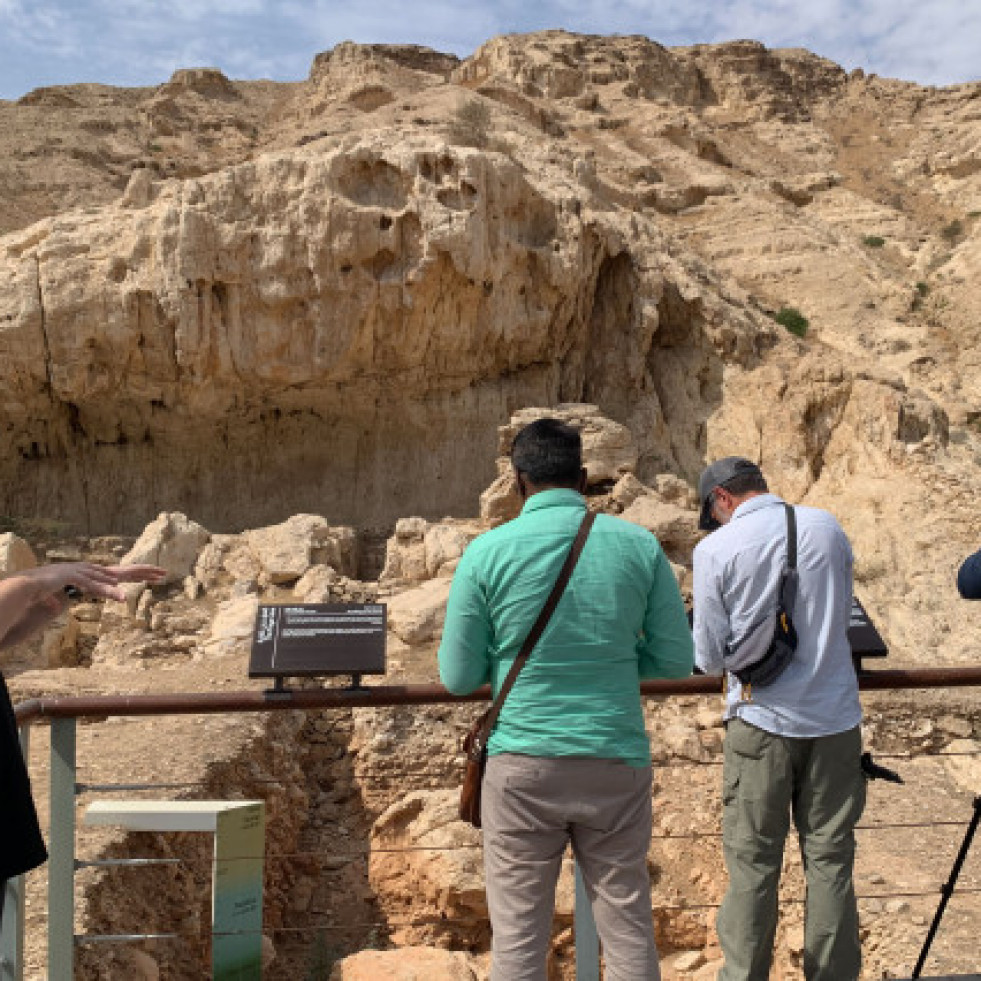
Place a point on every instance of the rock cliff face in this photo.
(325, 296)
(337, 328)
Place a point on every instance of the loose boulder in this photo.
(406, 964)
(285, 551)
(231, 629)
(416, 616)
(676, 528)
(171, 541)
(608, 449)
(15, 554)
(419, 550)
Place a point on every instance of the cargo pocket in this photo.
(747, 741)
(730, 784)
(747, 810)
(730, 799)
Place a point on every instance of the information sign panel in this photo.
(865, 640)
(305, 639)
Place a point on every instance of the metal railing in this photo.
(64, 787)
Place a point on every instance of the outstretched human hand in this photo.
(29, 599)
(103, 581)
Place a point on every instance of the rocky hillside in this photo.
(302, 321)
(249, 300)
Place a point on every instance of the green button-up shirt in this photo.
(620, 619)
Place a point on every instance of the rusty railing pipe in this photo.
(210, 703)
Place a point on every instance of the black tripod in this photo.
(947, 889)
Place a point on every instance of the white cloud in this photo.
(908, 39)
(40, 27)
(187, 11)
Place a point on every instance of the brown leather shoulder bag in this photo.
(475, 741)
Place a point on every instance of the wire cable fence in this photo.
(395, 923)
(326, 860)
(384, 924)
(450, 772)
(370, 850)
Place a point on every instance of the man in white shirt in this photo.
(792, 746)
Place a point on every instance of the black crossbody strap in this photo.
(791, 537)
(565, 574)
(788, 584)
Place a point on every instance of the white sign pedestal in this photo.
(236, 908)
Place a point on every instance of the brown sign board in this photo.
(309, 639)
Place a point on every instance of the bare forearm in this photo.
(34, 618)
(20, 612)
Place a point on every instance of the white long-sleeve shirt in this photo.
(737, 572)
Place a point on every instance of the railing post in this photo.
(587, 939)
(12, 937)
(61, 845)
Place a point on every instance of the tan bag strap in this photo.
(565, 574)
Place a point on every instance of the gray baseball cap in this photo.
(717, 475)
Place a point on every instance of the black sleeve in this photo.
(21, 844)
(969, 577)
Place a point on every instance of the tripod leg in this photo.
(947, 889)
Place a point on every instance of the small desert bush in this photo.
(471, 124)
(874, 241)
(793, 320)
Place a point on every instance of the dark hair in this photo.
(549, 453)
(743, 483)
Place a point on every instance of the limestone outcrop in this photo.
(316, 319)
(189, 351)
(448, 872)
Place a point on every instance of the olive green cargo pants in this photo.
(765, 779)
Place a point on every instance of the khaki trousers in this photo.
(532, 807)
(765, 779)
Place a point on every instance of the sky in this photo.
(141, 42)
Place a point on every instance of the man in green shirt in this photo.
(569, 759)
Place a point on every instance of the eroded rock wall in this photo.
(339, 333)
